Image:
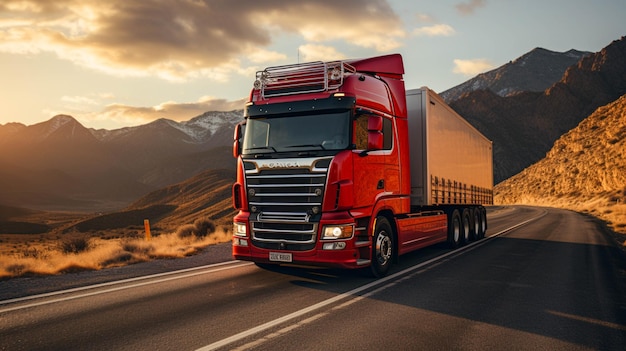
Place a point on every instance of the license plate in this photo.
(280, 257)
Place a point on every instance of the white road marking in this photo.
(589, 320)
(180, 274)
(172, 276)
(354, 293)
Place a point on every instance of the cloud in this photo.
(426, 18)
(311, 52)
(80, 100)
(116, 115)
(371, 24)
(469, 8)
(262, 56)
(78, 104)
(435, 30)
(131, 115)
(184, 39)
(472, 67)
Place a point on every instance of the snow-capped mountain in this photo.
(60, 164)
(197, 130)
(206, 125)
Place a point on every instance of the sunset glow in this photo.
(121, 63)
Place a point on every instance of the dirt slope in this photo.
(585, 170)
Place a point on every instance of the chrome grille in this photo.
(284, 203)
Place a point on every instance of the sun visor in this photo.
(388, 64)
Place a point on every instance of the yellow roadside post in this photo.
(146, 224)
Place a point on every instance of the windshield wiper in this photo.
(261, 148)
(307, 145)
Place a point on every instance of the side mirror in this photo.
(238, 139)
(374, 133)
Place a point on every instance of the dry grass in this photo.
(22, 255)
(91, 241)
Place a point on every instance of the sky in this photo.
(117, 63)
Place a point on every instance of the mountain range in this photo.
(177, 170)
(524, 126)
(61, 165)
(534, 71)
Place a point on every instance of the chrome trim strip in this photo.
(286, 203)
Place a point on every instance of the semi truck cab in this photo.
(323, 168)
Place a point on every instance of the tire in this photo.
(483, 222)
(454, 229)
(466, 227)
(383, 249)
(475, 224)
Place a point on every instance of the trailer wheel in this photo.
(476, 224)
(382, 248)
(454, 229)
(483, 222)
(466, 228)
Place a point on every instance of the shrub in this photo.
(204, 227)
(75, 245)
(137, 247)
(200, 228)
(186, 230)
(16, 269)
(122, 257)
(35, 253)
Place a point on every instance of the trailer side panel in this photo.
(451, 161)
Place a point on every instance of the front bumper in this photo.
(348, 258)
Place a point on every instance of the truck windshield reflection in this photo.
(329, 131)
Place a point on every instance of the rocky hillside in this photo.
(585, 170)
(524, 127)
(206, 195)
(535, 71)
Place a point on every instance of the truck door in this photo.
(369, 164)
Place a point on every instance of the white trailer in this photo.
(451, 161)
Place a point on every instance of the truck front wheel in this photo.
(382, 248)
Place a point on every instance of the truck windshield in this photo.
(329, 131)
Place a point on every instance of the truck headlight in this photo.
(239, 229)
(337, 232)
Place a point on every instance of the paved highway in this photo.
(545, 279)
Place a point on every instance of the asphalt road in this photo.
(555, 282)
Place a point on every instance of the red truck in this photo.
(338, 165)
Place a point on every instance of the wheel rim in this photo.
(466, 228)
(483, 225)
(457, 230)
(477, 225)
(383, 248)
